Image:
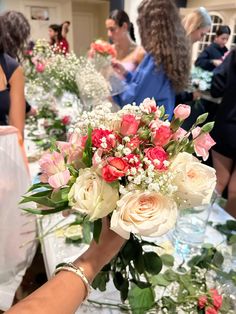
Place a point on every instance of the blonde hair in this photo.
(197, 19)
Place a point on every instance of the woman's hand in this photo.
(118, 67)
(217, 62)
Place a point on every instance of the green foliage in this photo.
(97, 228)
(87, 153)
(141, 300)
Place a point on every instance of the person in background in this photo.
(12, 100)
(17, 40)
(165, 67)
(120, 32)
(56, 40)
(212, 56)
(197, 24)
(67, 290)
(224, 152)
(65, 30)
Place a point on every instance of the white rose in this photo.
(144, 213)
(91, 195)
(194, 180)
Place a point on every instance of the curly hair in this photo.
(2, 38)
(163, 36)
(17, 31)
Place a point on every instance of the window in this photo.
(233, 42)
(208, 39)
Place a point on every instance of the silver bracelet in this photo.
(79, 271)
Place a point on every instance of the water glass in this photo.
(190, 229)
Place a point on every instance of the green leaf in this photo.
(86, 232)
(141, 300)
(60, 195)
(159, 280)
(43, 200)
(218, 259)
(152, 263)
(44, 212)
(232, 239)
(121, 284)
(39, 186)
(97, 228)
(231, 224)
(168, 260)
(131, 251)
(39, 194)
(101, 281)
(87, 153)
(186, 281)
(169, 304)
(170, 275)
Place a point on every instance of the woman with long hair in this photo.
(164, 70)
(12, 42)
(56, 40)
(120, 32)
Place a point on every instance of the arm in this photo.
(17, 100)
(204, 61)
(66, 291)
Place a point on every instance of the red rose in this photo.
(217, 298)
(211, 310)
(115, 168)
(157, 156)
(133, 143)
(202, 301)
(65, 120)
(133, 160)
(129, 125)
(162, 135)
(103, 139)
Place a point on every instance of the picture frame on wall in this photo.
(39, 13)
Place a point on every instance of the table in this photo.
(55, 251)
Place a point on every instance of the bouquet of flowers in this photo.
(136, 167)
(101, 48)
(201, 79)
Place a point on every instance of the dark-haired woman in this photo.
(121, 33)
(12, 100)
(164, 70)
(57, 41)
(212, 56)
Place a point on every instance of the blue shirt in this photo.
(148, 81)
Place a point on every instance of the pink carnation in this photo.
(162, 135)
(202, 301)
(129, 125)
(182, 112)
(202, 143)
(157, 156)
(103, 139)
(211, 310)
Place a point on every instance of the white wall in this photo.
(131, 9)
(59, 11)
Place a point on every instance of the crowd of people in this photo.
(159, 68)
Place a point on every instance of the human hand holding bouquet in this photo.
(136, 167)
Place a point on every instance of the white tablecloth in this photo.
(55, 251)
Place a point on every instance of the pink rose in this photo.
(162, 135)
(134, 143)
(129, 125)
(40, 67)
(211, 310)
(202, 301)
(157, 156)
(179, 134)
(202, 143)
(103, 139)
(115, 168)
(217, 298)
(182, 112)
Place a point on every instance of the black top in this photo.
(212, 52)
(224, 85)
(9, 65)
